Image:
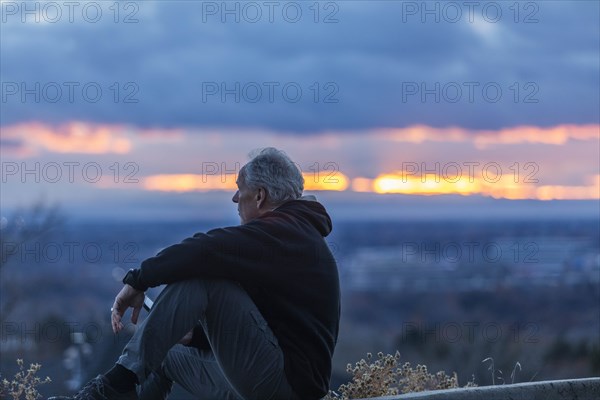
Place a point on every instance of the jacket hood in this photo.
(308, 208)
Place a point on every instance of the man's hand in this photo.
(127, 297)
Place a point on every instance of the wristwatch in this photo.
(130, 279)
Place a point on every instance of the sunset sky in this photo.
(417, 109)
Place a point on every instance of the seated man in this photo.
(265, 295)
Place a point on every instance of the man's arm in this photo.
(236, 253)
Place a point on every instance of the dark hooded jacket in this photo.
(282, 260)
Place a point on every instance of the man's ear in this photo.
(261, 198)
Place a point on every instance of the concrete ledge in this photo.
(569, 389)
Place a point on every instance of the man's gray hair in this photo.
(273, 170)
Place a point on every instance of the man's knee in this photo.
(186, 285)
(183, 292)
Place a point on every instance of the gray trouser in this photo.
(245, 361)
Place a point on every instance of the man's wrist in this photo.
(131, 279)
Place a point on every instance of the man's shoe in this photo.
(98, 389)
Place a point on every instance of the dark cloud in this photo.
(366, 70)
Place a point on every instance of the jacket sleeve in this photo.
(237, 253)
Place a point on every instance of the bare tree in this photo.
(36, 222)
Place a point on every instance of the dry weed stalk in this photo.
(24, 383)
(384, 377)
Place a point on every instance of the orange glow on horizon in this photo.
(326, 181)
(190, 182)
(393, 183)
(201, 183)
(429, 184)
(505, 187)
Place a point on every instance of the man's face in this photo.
(247, 201)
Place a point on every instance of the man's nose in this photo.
(235, 196)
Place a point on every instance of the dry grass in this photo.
(370, 378)
(385, 377)
(24, 383)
